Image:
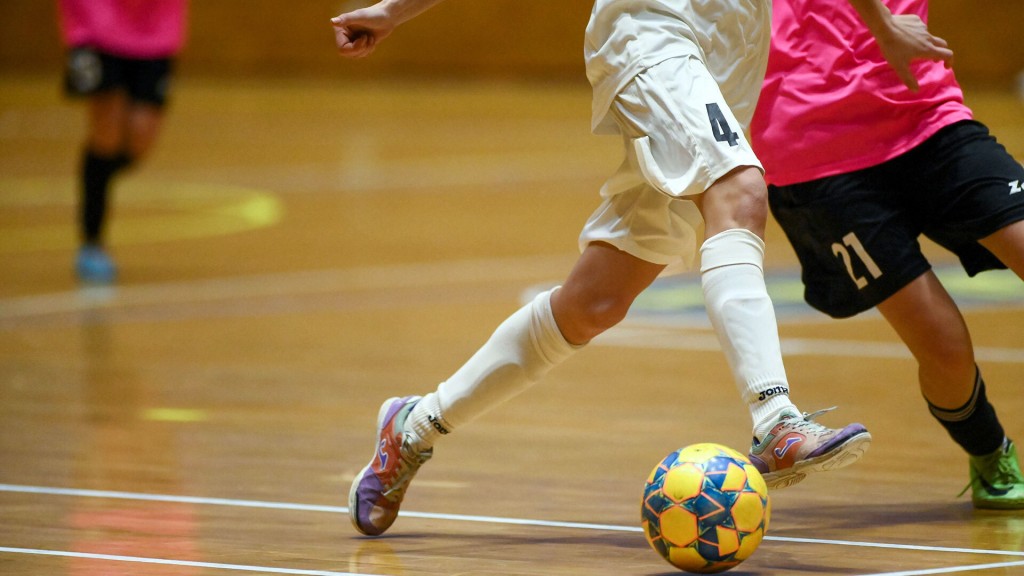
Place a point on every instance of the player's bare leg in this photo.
(928, 321)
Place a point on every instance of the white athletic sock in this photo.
(520, 352)
(742, 315)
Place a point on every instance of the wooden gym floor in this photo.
(295, 252)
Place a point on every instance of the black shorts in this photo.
(856, 234)
(88, 71)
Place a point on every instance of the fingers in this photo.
(911, 42)
(920, 42)
(355, 47)
(940, 42)
(941, 51)
(908, 78)
(348, 19)
(352, 42)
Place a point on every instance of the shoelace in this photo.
(409, 463)
(1004, 474)
(806, 421)
(803, 423)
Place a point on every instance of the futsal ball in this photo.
(705, 508)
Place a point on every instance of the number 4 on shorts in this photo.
(720, 126)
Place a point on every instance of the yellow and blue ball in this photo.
(705, 508)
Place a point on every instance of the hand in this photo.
(357, 33)
(908, 39)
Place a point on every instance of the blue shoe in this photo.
(94, 266)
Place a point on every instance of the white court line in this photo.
(191, 563)
(953, 570)
(82, 493)
(300, 507)
(911, 547)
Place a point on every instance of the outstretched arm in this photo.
(357, 32)
(903, 38)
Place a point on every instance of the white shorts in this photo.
(680, 137)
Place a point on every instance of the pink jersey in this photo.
(831, 103)
(126, 28)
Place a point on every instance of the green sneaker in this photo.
(996, 479)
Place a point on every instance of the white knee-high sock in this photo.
(520, 352)
(742, 315)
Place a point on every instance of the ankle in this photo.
(425, 423)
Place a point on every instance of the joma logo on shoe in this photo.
(780, 452)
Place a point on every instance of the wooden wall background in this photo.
(529, 39)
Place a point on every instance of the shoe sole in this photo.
(847, 453)
(995, 504)
(90, 277)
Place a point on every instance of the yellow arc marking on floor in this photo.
(146, 211)
(174, 415)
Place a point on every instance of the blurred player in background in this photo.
(859, 168)
(679, 81)
(120, 55)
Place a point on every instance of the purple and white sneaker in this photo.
(797, 445)
(378, 490)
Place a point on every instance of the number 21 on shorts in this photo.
(843, 251)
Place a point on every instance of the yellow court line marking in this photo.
(148, 211)
(174, 415)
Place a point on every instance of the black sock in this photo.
(97, 172)
(974, 426)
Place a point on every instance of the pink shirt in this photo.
(831, 103)
(126, 28)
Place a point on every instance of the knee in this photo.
(107, 142)
(751, 198)
(737, 200)
(946, 373)
(581, 318)
(607, 311)
(951, 358)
